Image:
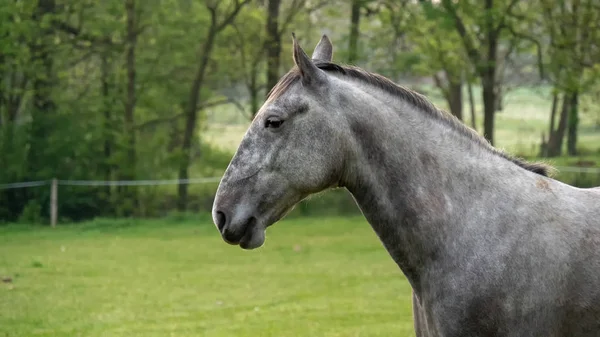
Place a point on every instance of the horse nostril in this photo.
(221, 220)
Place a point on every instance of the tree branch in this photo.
(169, 119)
(229, 18)
(472, 52)
(441, 86)
(537, 44)
(502, 23)
(242, 49)
(294, 9)
(77, 33)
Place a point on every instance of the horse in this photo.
(491, 245)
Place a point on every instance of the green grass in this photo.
(314, 277)
(225, 136)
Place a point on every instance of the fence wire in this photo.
(577, 169)
(24, 184)
(560, 169)
(138, 182)
(111, 182)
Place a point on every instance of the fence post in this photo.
(53, 202)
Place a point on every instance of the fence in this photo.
(54, 183)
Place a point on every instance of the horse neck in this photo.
(413, 178)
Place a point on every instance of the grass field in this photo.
(314, 277)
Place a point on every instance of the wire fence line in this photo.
(571, 169)
(577, 169)
(111, 182)
(139, 182)
(24, 184)
(54, 183)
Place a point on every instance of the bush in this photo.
(32, 213)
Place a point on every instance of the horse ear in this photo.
(323, 50)
(308, 70)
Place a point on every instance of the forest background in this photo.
(129, 90)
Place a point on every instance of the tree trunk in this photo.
(191, 109)
(354, 31)
(131, 81)
(43, 105)
(489, 108)
(3, 73)
(107, 106)
(556, 137)
(273, 43)
(191, 116)
(452, 92)
(553, 112)
(573, 122)
(544, 147)
(128, 193)
(253, 89)
(488, 74)
(455, 99)
(472, 105)
(499, 105)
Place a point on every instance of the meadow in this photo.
(326, 276)
(176, 277)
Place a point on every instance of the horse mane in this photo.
(415, 99)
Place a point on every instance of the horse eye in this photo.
(273, 122)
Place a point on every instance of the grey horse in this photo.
(489, 243)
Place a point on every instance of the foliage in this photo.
(31, 213)
(127, 89)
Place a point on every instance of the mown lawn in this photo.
(314, 277)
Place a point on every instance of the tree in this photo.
(275, 29)
(251, 51)
(354, 30)
(356, 7)
(572, 51)
(421, 46)
(481, 39)
(218, 22)
(131, 37)
(273, 42)
(442, 58)
(44, 107)
(118, 89)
